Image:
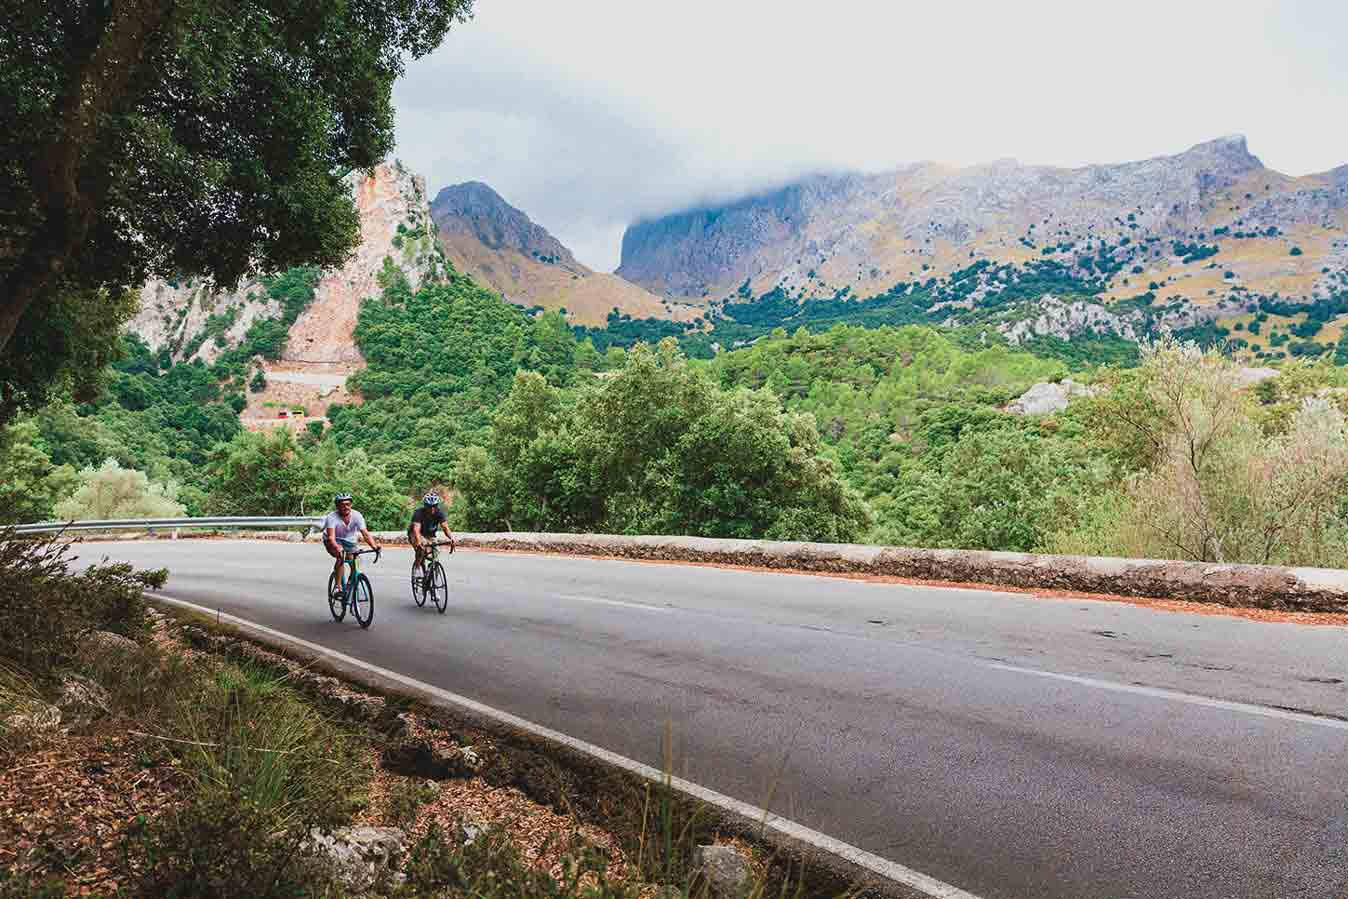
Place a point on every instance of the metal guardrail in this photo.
(151, 524)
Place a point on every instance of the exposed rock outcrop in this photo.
(1068, 319)
(81, 699)
(1046, 397)
(192, 319)
(474, 210)
(395, 230)
(725, 872)
(362, 855)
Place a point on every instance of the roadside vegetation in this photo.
(142, 755)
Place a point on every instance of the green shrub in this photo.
(112, 491)
(491, 867)
(266, 770)
(249, 737)
(31, 484)
(1224, 479)
(408, 796)
(49, 608)
(660, 448)
(219, 846)
(270, 473)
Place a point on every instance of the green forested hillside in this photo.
(915, 424)
(882, 434)
(438, 363)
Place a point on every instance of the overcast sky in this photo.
(589, 114)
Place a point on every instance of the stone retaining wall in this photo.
(1250, 586)
(1259, 586)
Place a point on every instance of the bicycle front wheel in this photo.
(418, 587)
(362, 601)
(336, 599)
(440, 588)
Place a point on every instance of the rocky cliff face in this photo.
(395, 225)
(501, 247)
(193, 320)
(692, 253)
(1127, 228)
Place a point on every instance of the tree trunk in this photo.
(97, 85)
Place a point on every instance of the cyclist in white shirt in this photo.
(340, 528)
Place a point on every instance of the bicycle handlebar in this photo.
(449, 543)
(363, 552)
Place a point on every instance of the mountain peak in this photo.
(476, 209)
(470, 191)
(501, 248)
(1230, 151)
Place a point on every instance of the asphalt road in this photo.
(1008, 745)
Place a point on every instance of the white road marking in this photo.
(868, 861)
(1228, 705)
(614, 602)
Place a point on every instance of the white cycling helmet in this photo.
(431, 499)
(341, 498)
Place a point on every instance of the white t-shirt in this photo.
(347, 530)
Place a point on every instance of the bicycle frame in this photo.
(432, 553)
(350, 569)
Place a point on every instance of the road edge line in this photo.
(872, 864)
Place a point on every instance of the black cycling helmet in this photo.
(431, 499)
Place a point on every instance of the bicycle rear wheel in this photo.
(362, 601)
(336, 599)
(439, 588)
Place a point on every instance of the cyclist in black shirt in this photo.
(425, 521)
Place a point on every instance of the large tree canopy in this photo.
(142, 137)
(656, 448)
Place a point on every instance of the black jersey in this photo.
(428, 519)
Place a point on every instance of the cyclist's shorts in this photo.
(348, 545)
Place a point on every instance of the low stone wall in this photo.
(1258, 586)
(1249, 586)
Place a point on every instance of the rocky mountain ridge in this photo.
(932, 215)
(1206, 235)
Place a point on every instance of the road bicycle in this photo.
(431, 583)
(355, 594)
